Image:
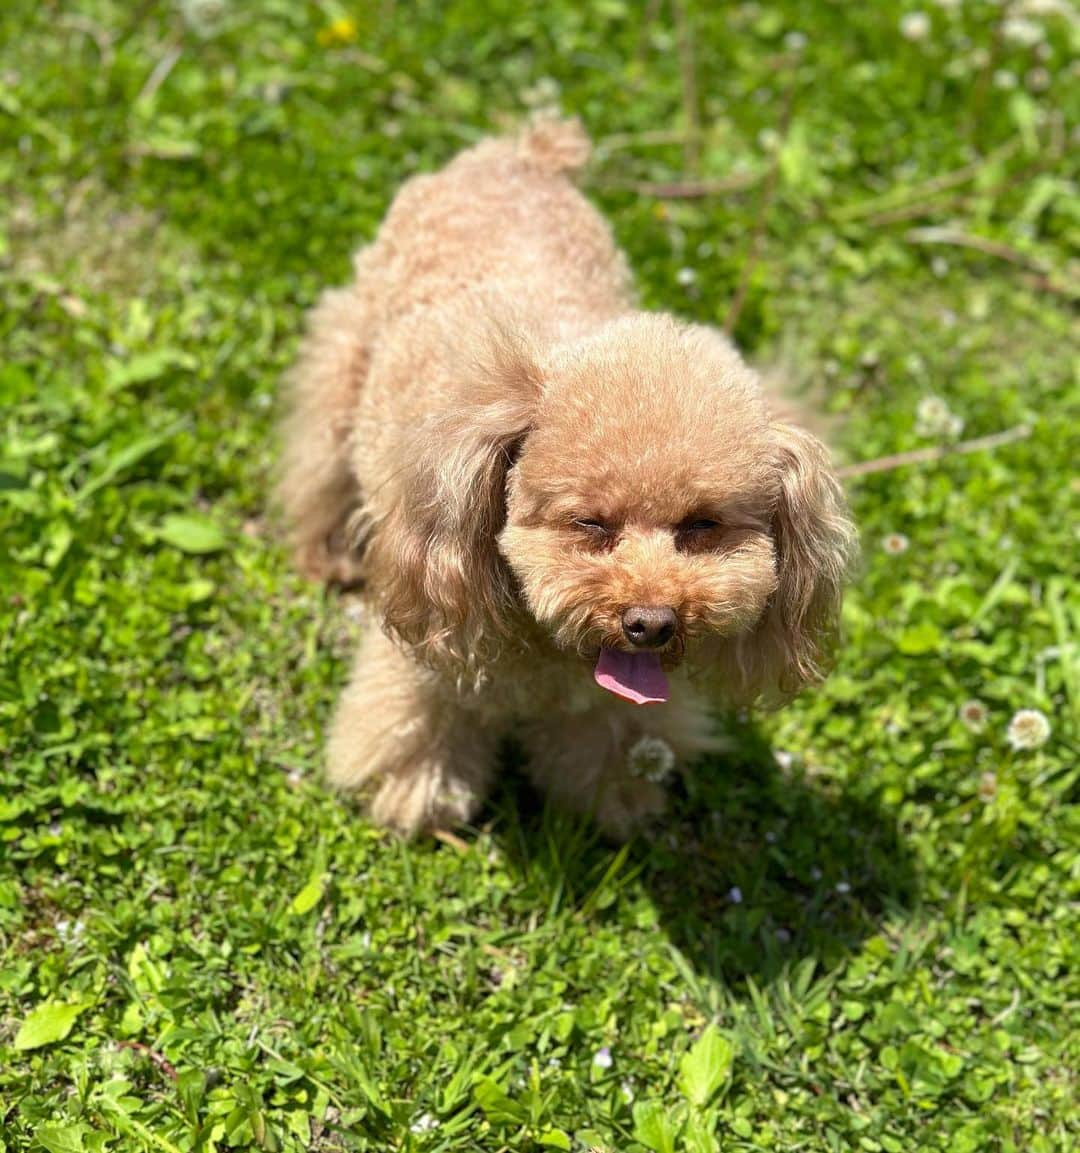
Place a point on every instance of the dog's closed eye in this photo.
(596, 533)
(699, 534)
(592, 527)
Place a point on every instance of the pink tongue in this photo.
(637, 677)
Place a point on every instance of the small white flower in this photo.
(543, 94)
(70, 932)
(627, 1092)
(973, 715)
(1046, 8)
(915, 26)
(1029, 729)
(602, 1058)
(1005, 80)
(987, 787)
(842, 887)
(783, 759)
(770, 837)
(1017, 30)
(295, 777)
(735, 895)
(795, 41)
(895, 543)
(202, 16)
(815, 874)
(424, 1124)
(651, 758)
(934, 418)
(939, 266)
(686, 277)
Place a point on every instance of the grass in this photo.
(866, 942)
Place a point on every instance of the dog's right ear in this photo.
(431, 557)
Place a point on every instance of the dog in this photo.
(577, 522)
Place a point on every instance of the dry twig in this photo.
(686, 189)
(935, 452)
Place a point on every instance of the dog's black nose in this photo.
(648, 628)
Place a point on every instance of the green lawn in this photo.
(865, 942)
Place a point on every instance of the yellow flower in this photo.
(338, 32)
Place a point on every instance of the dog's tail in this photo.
(553, 145)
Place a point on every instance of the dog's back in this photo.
(503, 220)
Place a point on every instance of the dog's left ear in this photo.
(815, 543)
(443, 586)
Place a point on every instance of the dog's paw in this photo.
(627, 805)
(423, 798)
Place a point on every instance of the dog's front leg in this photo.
(615, 759)
(402, 735)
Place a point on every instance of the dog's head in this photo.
(632, 495)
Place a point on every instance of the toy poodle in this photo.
(560, 508)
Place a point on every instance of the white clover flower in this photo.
(783, 759)
(424, 1124)
(915, 26)
(70, 932)
(602, 1058)
(1046, 8)
(1005, 80)
(544, 93)
(686, 277)
(1029, 729)
(651, 758)
(202, 16)
(842, 887)
(987, 787)
(1017, 30)
(735, 895)
(795, 41)
(934, 418)
(895, 543)
(973, 714)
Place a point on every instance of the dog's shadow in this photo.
(754, 868)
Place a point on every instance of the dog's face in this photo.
(640, 510)
(634, 496)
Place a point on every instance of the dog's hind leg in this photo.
(317, 490)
